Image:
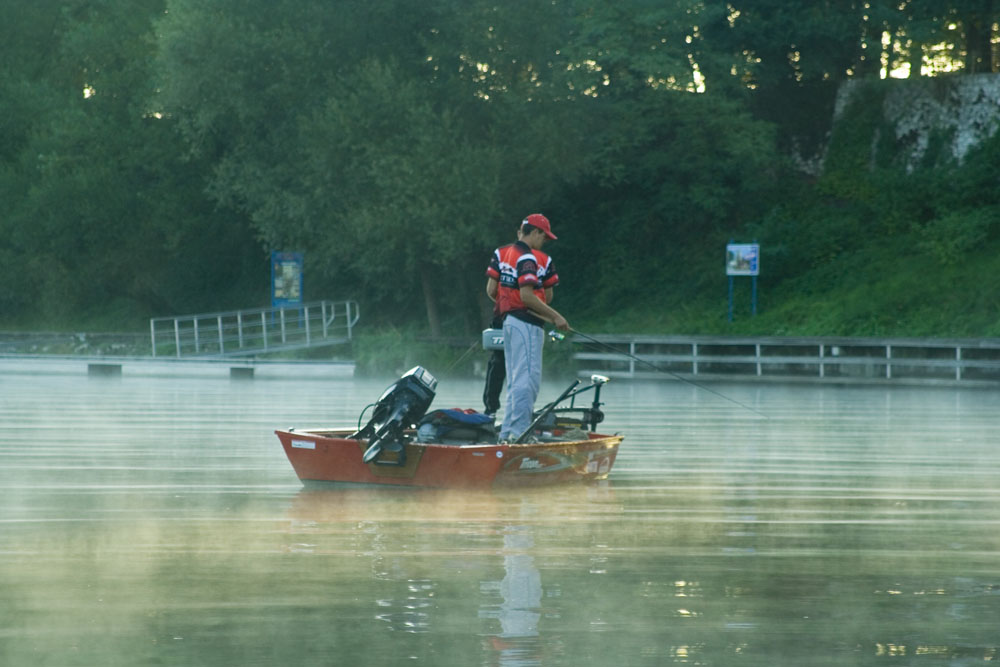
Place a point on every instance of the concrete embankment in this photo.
(111, 366)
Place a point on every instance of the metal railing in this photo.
(829, 359)
(254, 331)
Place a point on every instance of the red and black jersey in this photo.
(517, 265)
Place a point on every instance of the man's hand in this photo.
(561, 323)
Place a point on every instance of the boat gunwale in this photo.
(341, 434)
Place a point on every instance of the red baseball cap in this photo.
(540, 221)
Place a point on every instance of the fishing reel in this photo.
(400, 407)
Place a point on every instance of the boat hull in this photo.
(331, 456)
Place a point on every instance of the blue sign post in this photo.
(743, 259)
(286, 278)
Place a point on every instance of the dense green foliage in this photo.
(153, 152)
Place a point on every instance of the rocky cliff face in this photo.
(960, 111)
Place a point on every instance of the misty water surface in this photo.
(157, 522)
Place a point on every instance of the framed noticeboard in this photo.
(742, 259)
(286, 278)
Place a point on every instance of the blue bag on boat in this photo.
(456, 424)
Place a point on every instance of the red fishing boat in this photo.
(404, 445)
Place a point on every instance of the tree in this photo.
(977, 19)
(397, 155)
(107, 220)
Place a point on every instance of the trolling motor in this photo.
(552, 417)
(400, 407)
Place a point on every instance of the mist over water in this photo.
(157, 522)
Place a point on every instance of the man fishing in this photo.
(520, 279)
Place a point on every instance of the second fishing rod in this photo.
(558, 336)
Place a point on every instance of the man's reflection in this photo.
(521, 591)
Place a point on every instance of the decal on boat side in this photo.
(540, 463)
(303, 444)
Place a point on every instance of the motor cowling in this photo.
(400, 407)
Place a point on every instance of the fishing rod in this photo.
(474, 345)
(556, 336)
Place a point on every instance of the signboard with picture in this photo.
(742, 259)
(286, 278)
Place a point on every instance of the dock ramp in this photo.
(255, 331)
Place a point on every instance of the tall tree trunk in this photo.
(430, 301)
(978, 31)
(869, 53)
(989, 22)
(916, 58)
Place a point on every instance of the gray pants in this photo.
(522, 346)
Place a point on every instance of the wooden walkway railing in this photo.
(819, 359)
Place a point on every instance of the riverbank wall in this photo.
(137, 366)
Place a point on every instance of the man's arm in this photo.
(539, 308)
(491, 289)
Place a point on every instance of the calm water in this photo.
(157, 522)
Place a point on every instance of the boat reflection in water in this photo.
(485, 542)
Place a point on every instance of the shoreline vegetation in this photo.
(151, 163)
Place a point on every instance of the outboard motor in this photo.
(400, 407)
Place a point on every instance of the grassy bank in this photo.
(887, 290)
(74, 342)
